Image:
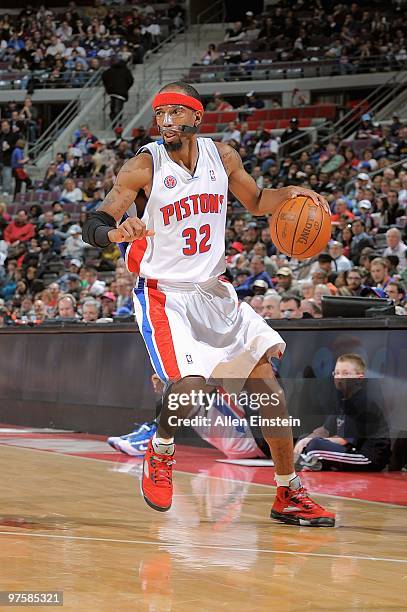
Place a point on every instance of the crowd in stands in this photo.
(65, 48)
(350, 34)
(47, 272)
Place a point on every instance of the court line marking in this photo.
(203, 546)
(256, 484)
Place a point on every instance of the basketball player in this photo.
(193, 327)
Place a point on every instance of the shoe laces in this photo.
(161, 473)
(301, 496)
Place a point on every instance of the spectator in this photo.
(356, 436)
(271, 306)
(74, 246)
(117, 81)
(294, 137)
(95, 287)
(253, 101)
(341, 208)
(354, 281)
(85, 141)
(310, 309)
(340, 263)
(266, 150)
(396, 292)
(18, 161)
(235, 33)
(319, 291)
(284, 280)
(29, 116)
(90, 311)
(290, 306)
(258, 272)
(71, 193)
(359, 241)
(7, 143)
(395, 246)
(330, 160)
(219, 104)
(231, 133)
(46, 257)
(108, 304)
(19, 230)
(66, 306)
(211, 56)
(379, 269)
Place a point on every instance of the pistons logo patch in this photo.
(170, 181)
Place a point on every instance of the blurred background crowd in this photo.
(48, 273)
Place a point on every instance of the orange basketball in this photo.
(300, 228)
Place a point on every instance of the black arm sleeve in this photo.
(96, 228)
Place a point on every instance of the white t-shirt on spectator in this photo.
(64, 34)
(400, 251)
(74, 247)
(72, 196)
(342, 264)
(272, 144)
(54, 49)
(154, 29)
(80, 51)
(235, 135)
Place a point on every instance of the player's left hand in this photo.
(293, 191)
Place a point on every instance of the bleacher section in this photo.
(270, 119)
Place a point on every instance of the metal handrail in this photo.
(348, 117)
(349, 126)
(199, 19)
(63, 119)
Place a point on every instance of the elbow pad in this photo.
(96, 228)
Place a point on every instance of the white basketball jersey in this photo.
(188, 215)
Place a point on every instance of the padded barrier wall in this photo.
(96, 379)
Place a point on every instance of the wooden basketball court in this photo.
(79, 525)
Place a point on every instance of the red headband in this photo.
(173, 97)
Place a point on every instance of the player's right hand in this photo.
(131, 229)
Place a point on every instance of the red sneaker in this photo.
(156, 483)
(293, 506)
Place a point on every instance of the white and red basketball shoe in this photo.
(156, 483)
(295, 507)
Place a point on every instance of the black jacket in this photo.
(5, 151)
(118, 79)
(360, 419)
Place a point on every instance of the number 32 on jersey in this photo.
(196, 241)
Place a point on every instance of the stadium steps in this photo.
(397, 105)
(148, 81)
(181, 50)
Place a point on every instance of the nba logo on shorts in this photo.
(170, 181)
(212, 175)
(188, 358)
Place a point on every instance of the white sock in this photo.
(163, 446)
(285, 480)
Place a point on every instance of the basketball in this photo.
(300, 228)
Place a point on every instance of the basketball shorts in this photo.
(201, 329)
